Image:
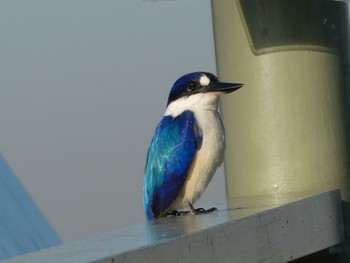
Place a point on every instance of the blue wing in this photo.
(173, 146)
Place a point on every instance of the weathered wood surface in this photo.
(250, 229)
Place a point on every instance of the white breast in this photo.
(210, 155)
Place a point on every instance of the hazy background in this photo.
(83, 85)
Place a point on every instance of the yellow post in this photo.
(284, 128)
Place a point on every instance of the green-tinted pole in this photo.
(284, 128)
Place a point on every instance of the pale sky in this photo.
(83, 85)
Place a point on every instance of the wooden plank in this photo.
(251, 229)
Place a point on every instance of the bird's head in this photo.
(198, 88)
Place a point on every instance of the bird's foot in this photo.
(177, 213)
(192, 211)
(203, 211)
(199, 211)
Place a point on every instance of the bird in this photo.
(187, 146)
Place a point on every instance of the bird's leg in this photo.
(192, 209)
(201, 210)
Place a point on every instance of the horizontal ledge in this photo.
(249, 229)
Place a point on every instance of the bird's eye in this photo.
(191, 86)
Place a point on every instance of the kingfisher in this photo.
(187, 146)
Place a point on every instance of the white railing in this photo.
(250, 229)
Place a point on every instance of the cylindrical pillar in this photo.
(284, 128)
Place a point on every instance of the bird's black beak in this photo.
(222, 87)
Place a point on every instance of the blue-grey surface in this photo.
(247, 231)
(83, 85)
(23, 228)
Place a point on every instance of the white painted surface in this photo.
(246, 231)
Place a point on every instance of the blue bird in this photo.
(187, 146)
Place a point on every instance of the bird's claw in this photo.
(197, 211)
(177, 213)
(203, 211)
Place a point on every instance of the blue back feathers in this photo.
(173, 146)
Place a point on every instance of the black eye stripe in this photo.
(192, 85)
